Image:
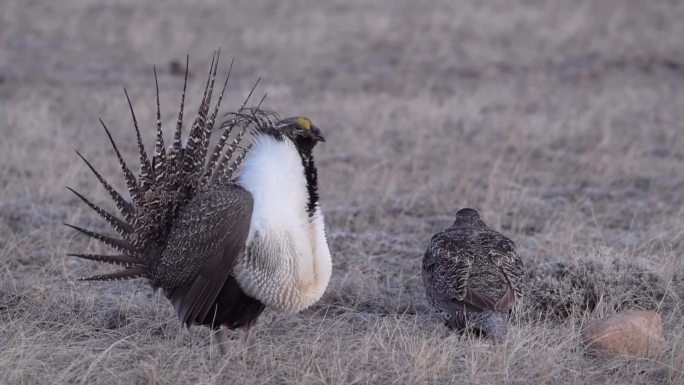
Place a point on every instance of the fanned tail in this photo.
(170, 178)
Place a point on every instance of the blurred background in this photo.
(561, 121)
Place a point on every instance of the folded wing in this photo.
(207, 238)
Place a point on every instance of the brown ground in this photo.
(561, 121)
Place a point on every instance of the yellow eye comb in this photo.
(305, 123)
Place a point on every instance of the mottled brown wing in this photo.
(448, 261)
(208, 236)
(504, 254)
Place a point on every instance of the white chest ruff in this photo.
(287, 263)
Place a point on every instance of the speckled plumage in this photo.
(472, 275)
(189, 222)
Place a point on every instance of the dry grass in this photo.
(561, 121)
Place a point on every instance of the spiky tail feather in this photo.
(117, 224)
(159, 157)
(168, 181)
(123, 205)
(145, 166)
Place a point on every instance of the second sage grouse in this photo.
(221, 248)
(472, 275)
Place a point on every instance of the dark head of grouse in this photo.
(472, 275)
(221, 247)
(300, 130)
(468, 217)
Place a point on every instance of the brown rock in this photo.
(631, 333)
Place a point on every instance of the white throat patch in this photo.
(287, 263)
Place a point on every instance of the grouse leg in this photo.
(222, 341)
(248, 345)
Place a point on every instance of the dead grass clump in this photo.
(10, 300)
(560, 289)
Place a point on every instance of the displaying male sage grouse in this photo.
(472, 275)
(220, 248)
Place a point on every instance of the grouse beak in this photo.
(316, 134)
